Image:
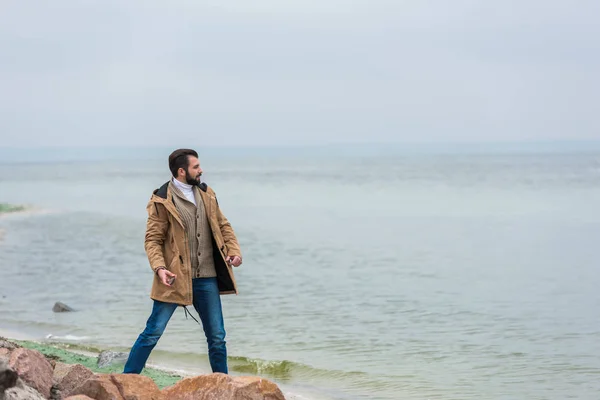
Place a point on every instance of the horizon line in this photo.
(315, 145)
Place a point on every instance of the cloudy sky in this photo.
(239, 72)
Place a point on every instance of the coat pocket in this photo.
(173, 263)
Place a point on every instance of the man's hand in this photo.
(166, 277)
(236, 261)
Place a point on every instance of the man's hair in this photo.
(180, 159)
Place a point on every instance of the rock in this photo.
(220, 386)
(79, 397)
(68, 377)
(52, 359)
(6, 348)
(198, 387)
(61, 307)
(248, 386)
(8, 376)
(5, 353)
(5, 344)
(120, 387)
(33, 369)
(107, 358)
(55, 393)
(22, 392)
(61, 370)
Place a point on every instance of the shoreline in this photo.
(56, 374)
(162, 376)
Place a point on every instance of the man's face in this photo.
(194, 172)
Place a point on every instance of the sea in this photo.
(376, 272)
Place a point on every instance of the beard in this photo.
(191, 180)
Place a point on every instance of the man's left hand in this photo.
(236, 261)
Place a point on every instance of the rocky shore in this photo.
(33, 371)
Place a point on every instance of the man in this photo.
(191, 248)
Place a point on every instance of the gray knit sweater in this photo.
(198, 232)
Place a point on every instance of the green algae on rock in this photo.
(161, 378)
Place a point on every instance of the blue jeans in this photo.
(207, 302)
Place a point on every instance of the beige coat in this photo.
(166, 246)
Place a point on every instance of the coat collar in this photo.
(163, 191)
(163, 195)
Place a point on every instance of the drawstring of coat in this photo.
(185, 310)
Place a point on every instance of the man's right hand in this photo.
(166, 276)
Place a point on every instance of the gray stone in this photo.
(61, 307)
(107, 358)
(8, 376)
(55, 393)
(5, 354)
(6, 344)
(21, 392)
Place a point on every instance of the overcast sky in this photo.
(239, 72)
